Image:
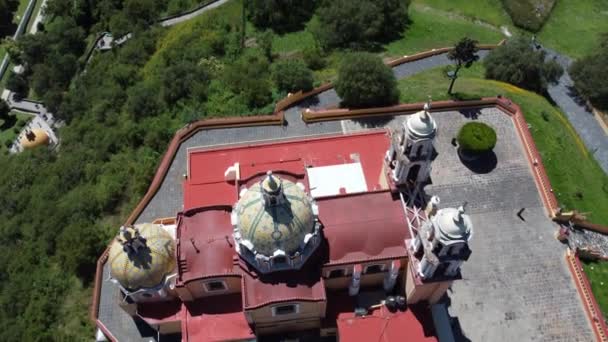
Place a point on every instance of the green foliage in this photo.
(17, 83)
(265, 43)
(476, 138)
(589, 75)
(4, 109)
(364, 81)
(248, 77)
(360, 23)
(529, 14)
(184, 81)
(463, 54)
(517, 62)
(291, 75)
(313, 56)
(280, 15)
(7, 7)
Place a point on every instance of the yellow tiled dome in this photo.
(275, 226)
(142, 264)
(34, 138)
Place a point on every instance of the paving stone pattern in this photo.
(516, 286)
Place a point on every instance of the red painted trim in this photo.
(106, 331)
(583, 287)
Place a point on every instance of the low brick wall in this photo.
(584, 289)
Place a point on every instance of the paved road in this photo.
(580, 116)
(188, 16)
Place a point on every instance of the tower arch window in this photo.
(284, 310)
(376, 268)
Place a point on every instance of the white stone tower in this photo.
(436, 252)
(411, 150)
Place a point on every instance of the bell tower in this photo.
(410, 154)
(436, 251)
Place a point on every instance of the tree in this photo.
(280, 15)
(184, 80)
(463, 54)
(589, 75)
(248, 77)
(17, 84)
(7, 7)
(313, 57)
(360, 23)
(518, 63)
(292, 75)
(364, 81)
(4, 109)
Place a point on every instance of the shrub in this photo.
(589, 75)
(248, 77)
(529, 14)
(292, 75)
(364, 81)
(17, 84)
(476, 138)
(517, 62)
(360, 23)
(313, 57)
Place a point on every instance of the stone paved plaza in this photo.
(515, 287)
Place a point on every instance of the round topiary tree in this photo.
(364, 81)
(476, 138)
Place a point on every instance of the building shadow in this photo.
(459, 335)
(374, 122)
(471, 113)
(481, 165)
(578, 98)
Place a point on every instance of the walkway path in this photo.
(187, 16)
(580, 116)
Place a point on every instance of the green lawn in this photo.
(489, 11)
(428, 30)
(597, 272)
(574, 26)
(577, 179)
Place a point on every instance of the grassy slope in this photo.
(574, 26)
(427, 30)
(558, 143)
(597, 272)
(490, 11)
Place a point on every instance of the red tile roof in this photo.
(413, 325)
(216, 319)
(305, 285)
(363, 227)
(205, 243)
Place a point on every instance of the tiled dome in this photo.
(146, 263)
(278, 221)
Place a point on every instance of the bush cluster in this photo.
(589, 75)
(521, 64)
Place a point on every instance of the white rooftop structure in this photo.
(331, 180)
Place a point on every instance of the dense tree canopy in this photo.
(364, 81)
(292, 75)
(280, 15)
(360, 23)
(589, 75)
(519, 63)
